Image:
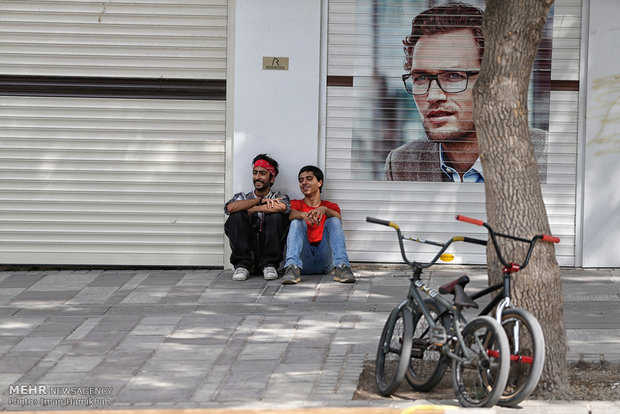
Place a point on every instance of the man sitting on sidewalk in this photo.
(258, 223)
(315, 242)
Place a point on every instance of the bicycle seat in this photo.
(457, 289)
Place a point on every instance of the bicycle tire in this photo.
(394, 351)
(427, 364)
(479, 374)
(527, 355)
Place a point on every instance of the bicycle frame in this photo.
(414, 298)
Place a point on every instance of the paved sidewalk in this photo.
(125, 339)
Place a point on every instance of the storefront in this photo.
(113, 122)
(126, 125)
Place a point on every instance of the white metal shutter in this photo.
(110, 181)
(141, 38)
(355, 118)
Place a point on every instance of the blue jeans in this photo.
(330, 252)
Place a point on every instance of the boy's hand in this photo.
(315, 216)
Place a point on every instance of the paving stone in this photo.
(51, 308)
(186, 294)
(84, 328)
(199, 278)
(163, 278)
(165, 379)
(155, 364)
(234, 395)
(152, 294)
(112, 279)
(150, 310)
(7, 295)
(37, 343)
(118, 296)
(146, 342)
(114, 371)
(70, 379)
(64, 280)
(77, 364)
(161, 320)
(58, 352)
(249, 371)
(167, 351)
(9, 340)
(153, 329)
(93, 347)
(19, 361)
(228, 296)
(135, 281)
(263, 350)
(93, 295)
(117, 323)
(153, 395)
(34, 375)
(20, 280)
(206, 392)
(291, 391)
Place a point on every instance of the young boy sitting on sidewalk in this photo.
(315, 243)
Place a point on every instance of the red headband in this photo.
(266, 165)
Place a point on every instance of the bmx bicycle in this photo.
(478, 349)
(429, 361)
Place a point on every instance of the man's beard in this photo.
(264, 184)
(453, 134)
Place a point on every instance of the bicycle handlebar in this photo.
(545, 237)
(400, 236)
(382, 222)
(470, 220)
(444, 246)
(550, 239)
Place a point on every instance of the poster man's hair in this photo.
(443, 19)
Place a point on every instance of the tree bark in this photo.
(514, 201)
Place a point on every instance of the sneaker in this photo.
(241, 273)
(270, 273)
(291, 275)
(344, 274)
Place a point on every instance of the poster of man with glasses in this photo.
(443, 53)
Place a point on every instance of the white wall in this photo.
(276, 111)
(601, 221)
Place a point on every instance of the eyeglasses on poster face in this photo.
(418, 83)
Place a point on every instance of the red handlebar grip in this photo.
(550, 239)
(469, 220)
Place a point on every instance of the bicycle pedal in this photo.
(438, 336)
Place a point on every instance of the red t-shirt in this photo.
(315, 232)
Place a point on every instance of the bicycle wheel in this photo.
(480, 371)
(527, 355)
(394, 351)
(427, 365)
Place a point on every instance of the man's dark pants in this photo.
(265, 246)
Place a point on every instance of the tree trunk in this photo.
(514, 202)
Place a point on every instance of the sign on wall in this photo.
(275, 63)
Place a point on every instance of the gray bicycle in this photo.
(478, 349)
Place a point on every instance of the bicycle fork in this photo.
(505, 303)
